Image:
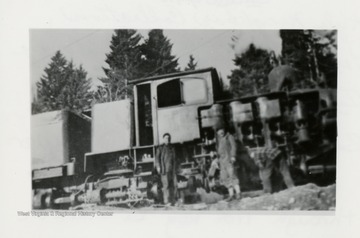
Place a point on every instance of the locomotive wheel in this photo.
(191, 184)
(103, 196)
(42, 201)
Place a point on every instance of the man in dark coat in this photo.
(165, 163)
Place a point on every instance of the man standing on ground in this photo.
(267, 159)
(165, 163)
(226, 150)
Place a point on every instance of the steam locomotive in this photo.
(106, 156)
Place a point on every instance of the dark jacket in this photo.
(165, 159)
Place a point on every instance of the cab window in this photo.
(169, 93)
(185, 91)
(194, 91)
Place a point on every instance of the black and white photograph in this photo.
(169, 120)
(179, 119)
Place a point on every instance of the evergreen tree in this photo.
(115, 87)
(225, 89)
(294, 49)
(51, 84)
(157, 55)
(76, 93)
(191, 65)
(251, 75)
(125, 55)
(62, 87)
(325, 47)
(124, 62)
(311, 55)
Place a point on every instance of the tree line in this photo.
(311, 56)
(63, 85)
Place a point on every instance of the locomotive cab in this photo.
(162, 104)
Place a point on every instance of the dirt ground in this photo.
(305, 197)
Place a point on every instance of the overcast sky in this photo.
(210, 48)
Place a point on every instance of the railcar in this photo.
(108, 158)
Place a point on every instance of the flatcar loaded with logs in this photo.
(107, 156)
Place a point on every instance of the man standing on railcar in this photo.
(166, 166)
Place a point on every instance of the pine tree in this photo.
(325, 47)
(63, 87)
(191, 65)
(51, 84)
(294, 49)
(125, 55)
(76, 94)
(251, 76)
(311, 55)
(124, 62)
(157, 55)
(115, 87)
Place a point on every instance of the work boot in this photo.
(231, 194)
(229, 199)
(238, 196)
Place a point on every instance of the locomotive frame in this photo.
(301, 123)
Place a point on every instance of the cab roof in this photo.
(177, 74)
